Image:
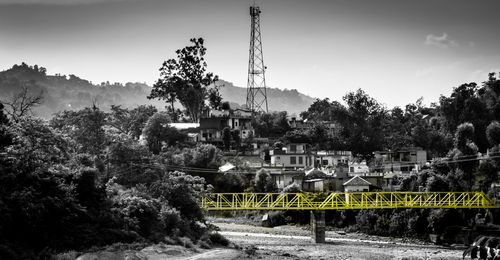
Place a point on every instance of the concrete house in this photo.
(294, 155)
(406, 160)
(212, 123)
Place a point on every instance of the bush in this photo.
(217, 239)
(264, 182)
(231, 182)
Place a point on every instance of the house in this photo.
(294, 155)
(358, 168)
(284, 178)
(330, 159)
(356, 184)
(298, 155)
(213, 122)
(314, 181)
(406, 160)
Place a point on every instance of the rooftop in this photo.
(357, 181)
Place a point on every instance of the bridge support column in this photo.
(318, 226)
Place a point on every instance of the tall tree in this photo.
(363, 129)
(185, 79)
(465, 151)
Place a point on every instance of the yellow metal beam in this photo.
(342, 200)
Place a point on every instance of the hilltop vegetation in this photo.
(61, 92)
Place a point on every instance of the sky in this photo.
(395, 50)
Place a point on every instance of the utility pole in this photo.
(256, 87)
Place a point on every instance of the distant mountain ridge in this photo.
(291, 100)
(62, 92)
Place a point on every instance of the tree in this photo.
(214, 98)
(130, 122)
(466, 104)
(22, 104)
(231, 182)
(226, 137)
(157, 131)
(493, 133)
(465, 151)
(235, 135)
(273, 124)
(264, 182)
(491, 95)
(5, 137)
(363, 129)
(85, 126)
(319, 136)
(185, 79)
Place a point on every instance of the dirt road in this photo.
(290, 242)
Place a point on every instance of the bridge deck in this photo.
(340, 200)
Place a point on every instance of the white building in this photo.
(358, 168)
(356, 184)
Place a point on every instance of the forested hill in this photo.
(61, 92)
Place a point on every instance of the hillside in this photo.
(61, 92)
(291, 101)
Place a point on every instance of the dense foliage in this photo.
(85, 179)
(364, 125)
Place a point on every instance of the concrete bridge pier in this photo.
(318, 226)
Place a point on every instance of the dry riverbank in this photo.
(286, 242)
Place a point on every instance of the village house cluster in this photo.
(300, 163)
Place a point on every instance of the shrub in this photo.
(230, 182)
(264, 182)
(218, 239)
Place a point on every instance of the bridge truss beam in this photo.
(341, 200)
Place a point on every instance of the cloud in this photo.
(442, 41)
(56, 2)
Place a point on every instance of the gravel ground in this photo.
(284, 242)
(290, 242)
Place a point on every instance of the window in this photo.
(293, 160)
(293, 148)
(301, 160)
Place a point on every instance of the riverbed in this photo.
(292, 242)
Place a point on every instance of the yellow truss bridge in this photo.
(341, 200)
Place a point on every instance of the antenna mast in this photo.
(256, 87)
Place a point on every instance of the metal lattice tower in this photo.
(256, 87)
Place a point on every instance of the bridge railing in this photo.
(342, 200)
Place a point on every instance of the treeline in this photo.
(86, 178)
(364, 125)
